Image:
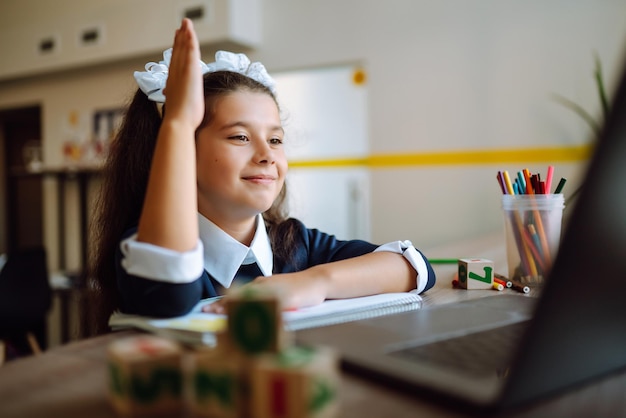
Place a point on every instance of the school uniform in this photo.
(159, 282)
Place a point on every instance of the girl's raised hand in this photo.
(183, 90)
(168, 216)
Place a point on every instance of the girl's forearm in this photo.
(373, 273)
(169, 215)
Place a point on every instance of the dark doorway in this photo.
(21, 132)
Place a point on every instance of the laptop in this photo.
(575, 331)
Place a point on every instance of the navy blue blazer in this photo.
(159, 299)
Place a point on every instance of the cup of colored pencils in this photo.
(532, 219)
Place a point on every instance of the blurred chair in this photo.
(25, 300)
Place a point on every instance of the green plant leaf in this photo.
(576, 108)
(600, 85)
(595, 126)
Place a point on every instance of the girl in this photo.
(193, 200)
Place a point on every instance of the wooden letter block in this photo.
(146, 376)
(298, 382)
(475, 273)
(255, 322)
(219, 384)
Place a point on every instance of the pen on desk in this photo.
(520, 287)
(443, 260)
(503, 281)
(559, 187)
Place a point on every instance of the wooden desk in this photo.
(71, 381)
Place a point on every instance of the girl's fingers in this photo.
(184, 42)
(215, 307)
(184, 81)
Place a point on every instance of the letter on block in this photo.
(475, 273)
(298, 382)
(255, 322)
(146, 376)
(219, 383)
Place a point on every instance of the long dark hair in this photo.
(126, 173)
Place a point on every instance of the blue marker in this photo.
(522, 182)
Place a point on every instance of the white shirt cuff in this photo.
(416, 260)
(161, 264)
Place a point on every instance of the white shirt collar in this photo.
(223, 255)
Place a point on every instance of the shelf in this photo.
(62, 170)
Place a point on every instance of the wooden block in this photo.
(255, 322)
(475, 273)
(298, 382)
(146, 376)
(219, 384)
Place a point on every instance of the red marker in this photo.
(505, 283)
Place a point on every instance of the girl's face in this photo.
(241, 161)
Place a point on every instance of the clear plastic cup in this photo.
(533, 233)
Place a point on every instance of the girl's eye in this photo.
(275, 141)
(241, 138)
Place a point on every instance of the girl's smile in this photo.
(260, 178)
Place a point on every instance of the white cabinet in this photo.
(39, 36)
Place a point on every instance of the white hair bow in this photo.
(152, 81)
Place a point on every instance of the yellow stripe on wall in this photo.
(468, 157)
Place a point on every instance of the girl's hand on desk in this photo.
(296, 290)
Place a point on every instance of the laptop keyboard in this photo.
(483, 353)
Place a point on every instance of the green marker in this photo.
(443, 260)
(559, 187)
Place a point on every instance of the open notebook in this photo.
(198, 328)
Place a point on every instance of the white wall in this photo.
(324, 114)
(455, 75)
(443, 75)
